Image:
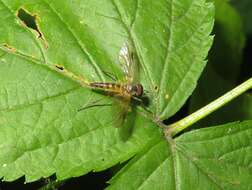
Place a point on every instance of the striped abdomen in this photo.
(122, 89)
(106, 86)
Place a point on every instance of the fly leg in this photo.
(94, 104)
(110, 75)
(138, 100)
(141, 103)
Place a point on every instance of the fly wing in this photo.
(121, 108)
(124, 116)
(128, 124)
(128, 62)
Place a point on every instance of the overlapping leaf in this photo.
(213, 158)
(41, 131)
(223, 69)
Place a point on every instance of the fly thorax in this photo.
(128, 88)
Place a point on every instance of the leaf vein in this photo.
(22, 106)
(135, 44)
(174, 160)
(62, 143)
(136, 12)
(184, 79)
(249, 146)
(153, 172)
(211, 178)
(219, 137)
(81, 45)
(168, 49)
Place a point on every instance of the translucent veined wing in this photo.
(124, 118)
(128, 124)
(128, 62)
(122, 115)
(121, 106)
(127, 114)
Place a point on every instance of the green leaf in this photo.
(213, 158)
(188, 44)
(223, 68)
(44, 69)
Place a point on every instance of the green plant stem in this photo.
(184, 123)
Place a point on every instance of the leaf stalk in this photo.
(177, 127)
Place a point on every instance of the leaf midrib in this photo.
(209, 176)
(78, 41)
(134, 42)
(168, 50)
(226, 135)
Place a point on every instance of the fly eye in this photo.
(139, 90)
(134, 89)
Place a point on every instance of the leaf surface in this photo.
(42, 73)
(214, 158)
(223, 69)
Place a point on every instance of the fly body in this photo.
(127, 90)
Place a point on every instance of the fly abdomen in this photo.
(99, 85)
(106, 86)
